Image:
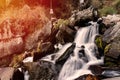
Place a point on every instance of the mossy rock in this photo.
(99, 42)
(61, 22)
(107, 48)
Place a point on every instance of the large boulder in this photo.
(83, 16)
(8, 47)
(42, 70)
(45, 48)
(65, 34)
(112, 37)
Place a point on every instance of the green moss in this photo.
(107, 10)
(107, 48)
(60, 22)
(99, 42)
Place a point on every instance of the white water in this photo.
(77, 65)
(58, 54)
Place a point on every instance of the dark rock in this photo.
(97, 70)
(42, 71)
(6, 73)
(45, 49)
(65, 34)
(83, 16)
(66, 54)
(115, 78)
(88, 77)
(18, 75)
(112, 37)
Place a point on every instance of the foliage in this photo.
(61, 22)
(99, 42)
(116, 4)
(107, 48)
(107, 10)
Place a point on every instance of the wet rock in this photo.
(97, 70)
(88, 77)
(18, 75)
(65, 34)
(112, 37)
(6, 73)
(115, 78)
(83, 16)
(66, 54)
(45, 49)
(42, 70)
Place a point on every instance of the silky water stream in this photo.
(84, 54)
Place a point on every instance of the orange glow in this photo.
(20, 20)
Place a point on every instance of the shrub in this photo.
(61, 22)
(108, 10)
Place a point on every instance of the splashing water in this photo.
(78, 64)
(84, 54)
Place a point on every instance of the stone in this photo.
(83, 16)
(6, 73)
(96, 70)
(45, 49)
(88, 77)
(112, 37)
(65, 34)
(42, 70)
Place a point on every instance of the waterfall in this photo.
(84, 54)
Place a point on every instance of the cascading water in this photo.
(84, 54)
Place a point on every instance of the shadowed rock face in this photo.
(112, 37)
(42, 70)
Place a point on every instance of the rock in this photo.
(65, 34)
(11, 46)
(83, 16)
(42, 70)
(45, 49)
(111, 20)
(112, 37)
(6, 73)
(18, 75)
(115, 78)
(66, 54)
(96, 70)
(88, 77)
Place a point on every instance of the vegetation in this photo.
(99, 42)
(107, 10)
(61, 22)
(107, 48)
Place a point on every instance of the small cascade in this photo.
(84, 54)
